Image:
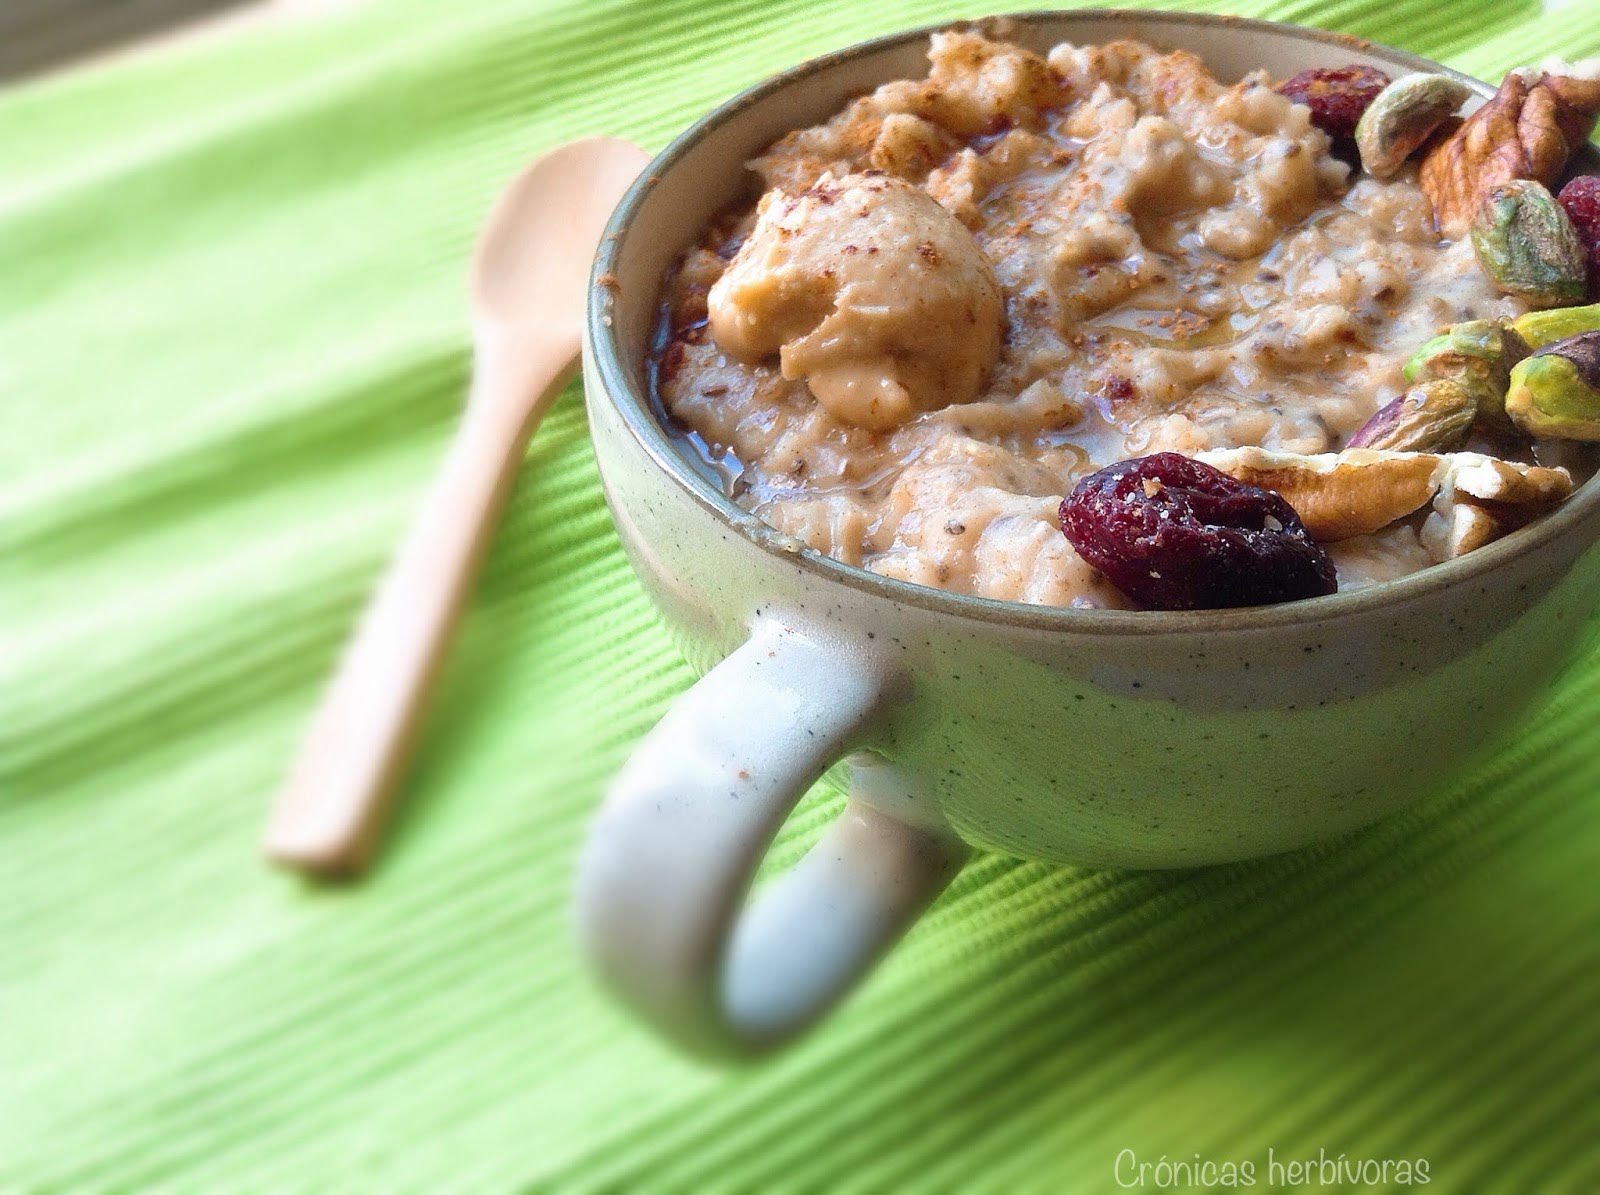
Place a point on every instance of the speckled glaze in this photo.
(1107, 738)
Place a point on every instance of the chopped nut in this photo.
(1528, 246)
(1405, 114)
(1529, 129)
(1342, 494)
(1482, 498)
(1490, 479)
(1457, 528)
(1433, 416)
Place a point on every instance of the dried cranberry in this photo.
(1581, 199)
(1337, 96)
(1175, 534)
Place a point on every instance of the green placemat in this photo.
(232, 343)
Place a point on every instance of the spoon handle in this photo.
(327, 818)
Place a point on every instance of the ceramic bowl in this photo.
(1105, 738)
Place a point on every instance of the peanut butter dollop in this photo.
(870, 291)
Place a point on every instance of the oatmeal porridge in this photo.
(963, 295)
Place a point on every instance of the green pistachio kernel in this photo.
(1556, 391)
(1540, 328)
(1433, 416)
(1528, 246)
(1478, 356)
(1403, 116)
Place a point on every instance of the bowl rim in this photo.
(634, 406)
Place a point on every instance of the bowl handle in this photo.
(664, 874)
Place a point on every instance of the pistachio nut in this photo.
(1404, 115)
(1539, 328)
(1528, 246)
(1477, 355)
(1556, 391)
(1433, 416)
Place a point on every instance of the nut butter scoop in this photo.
(868, 290)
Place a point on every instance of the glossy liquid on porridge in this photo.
(1181, 265)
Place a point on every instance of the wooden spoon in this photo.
(530, 272)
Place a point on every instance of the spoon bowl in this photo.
(533, 255)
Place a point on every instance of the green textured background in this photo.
(232, 344)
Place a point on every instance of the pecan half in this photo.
(1529, 129)
(1342, 494)
(1337, 494)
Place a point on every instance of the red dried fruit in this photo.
(1581, 200)
(1337, 96)
(1173, 533)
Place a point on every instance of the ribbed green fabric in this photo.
(232, 343)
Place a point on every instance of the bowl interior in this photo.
(703, 171)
